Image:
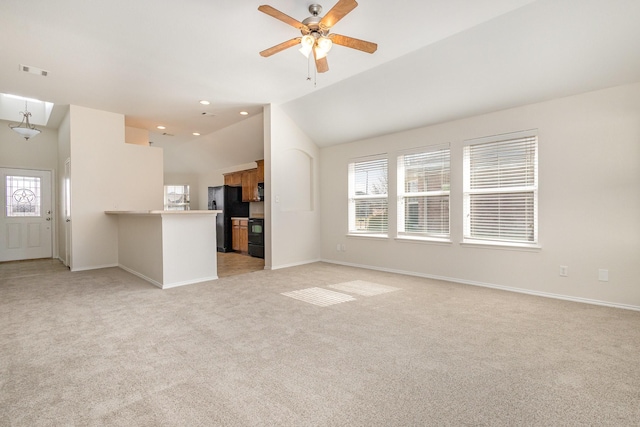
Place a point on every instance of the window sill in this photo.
(501, 245)
(428, 240)
(369, 236)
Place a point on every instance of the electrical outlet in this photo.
(603, 275)
(564, 270)
(343, 247)
(338, 247)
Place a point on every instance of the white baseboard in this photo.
(295, 264)
(490, 285)
(166, 285)
(95, 267)
(189, 282)
(142, 276)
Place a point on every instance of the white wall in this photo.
(589, 201)
(292, 214)
(190, 179)
(136, 136)
(209, 156)
(106, 174)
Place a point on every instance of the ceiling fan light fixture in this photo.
(315, 32)
(323, 46)
(306, 43)
(325, 43)
(24, 128)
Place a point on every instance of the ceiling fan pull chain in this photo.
(315, 75)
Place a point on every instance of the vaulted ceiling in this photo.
(437, 60)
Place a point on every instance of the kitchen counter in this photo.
(168, 248)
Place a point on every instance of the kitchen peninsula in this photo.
(168, 248)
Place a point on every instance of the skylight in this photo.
(12, 105)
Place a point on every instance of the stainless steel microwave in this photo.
(261, 191)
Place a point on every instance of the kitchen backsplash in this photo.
(256, 209)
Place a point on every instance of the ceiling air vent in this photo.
(33, 70)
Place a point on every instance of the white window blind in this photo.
(501, 189)
(423, 193)
(176, 198)
(368, 190)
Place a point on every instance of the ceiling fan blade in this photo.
(322, 66)
(337, 12)
(362, 45)
(265, 8)
(280, 47)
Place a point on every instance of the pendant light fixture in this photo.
(25, 129)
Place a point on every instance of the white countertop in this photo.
(160, 212)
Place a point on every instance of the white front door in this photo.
(26, 220)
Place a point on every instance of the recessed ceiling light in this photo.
(204, 102)
(195, 134)
(244, 113)
(161, 127)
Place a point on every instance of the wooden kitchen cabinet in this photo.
(240, 235)
(244, 236)
(248, 180)
(235, 234)
(250, 185)
(260, 172)
(233, 179)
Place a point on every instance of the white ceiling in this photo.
(437, 60)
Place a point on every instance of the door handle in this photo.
(48, 219)
(67, 220)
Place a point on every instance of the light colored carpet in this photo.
(106, 348)
(361, 287)
(318, 296)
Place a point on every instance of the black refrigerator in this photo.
(228, 200)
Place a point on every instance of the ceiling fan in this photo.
(315, 30)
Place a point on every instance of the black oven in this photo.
(256, 237)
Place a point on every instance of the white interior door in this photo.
(26, 221)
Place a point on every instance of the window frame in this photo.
(352, 229)
(403, 195)
(185, 205)
(467, 192)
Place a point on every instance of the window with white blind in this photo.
(423, 193)
(368, 189)
(176, 198)
(501, 189)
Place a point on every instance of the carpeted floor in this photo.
(106, 348)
